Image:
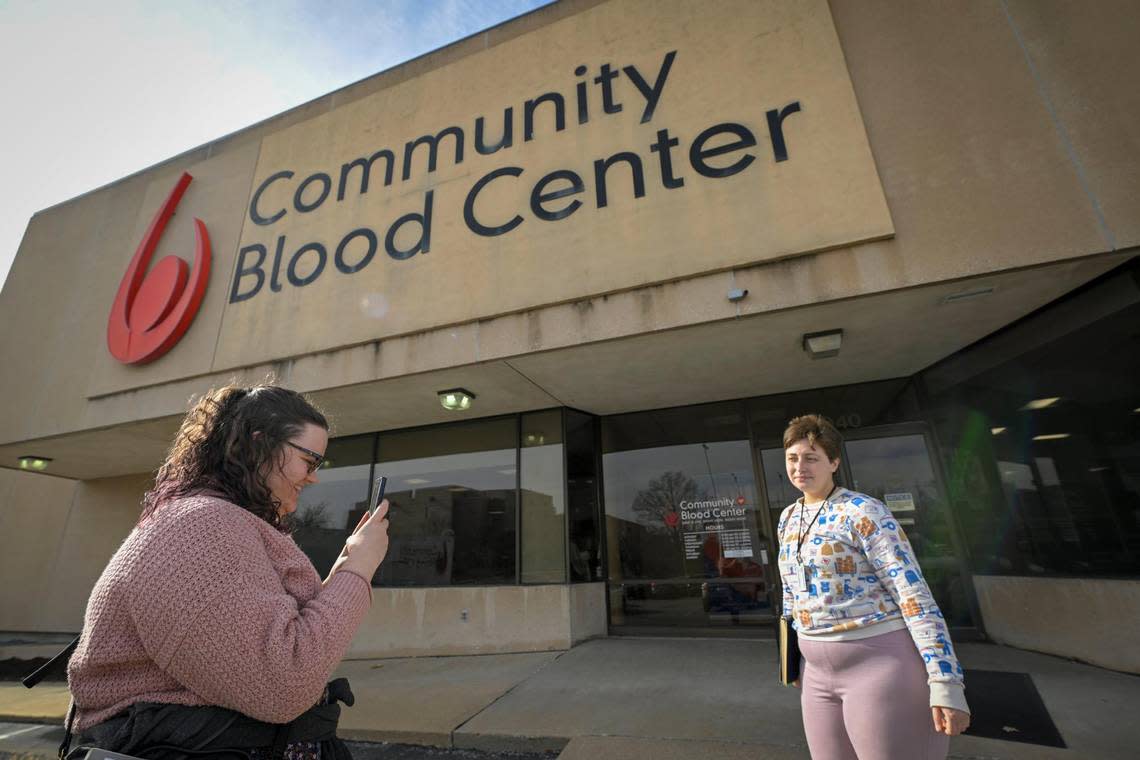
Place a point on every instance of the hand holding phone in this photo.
(381, 484)
(366, 548)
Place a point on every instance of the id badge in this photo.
(802, 576)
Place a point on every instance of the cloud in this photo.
(97, 91)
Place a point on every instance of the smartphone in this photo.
(381, 484)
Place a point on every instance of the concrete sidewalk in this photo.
(647, 698)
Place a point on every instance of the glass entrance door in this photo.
(687, 547)
(895, 465)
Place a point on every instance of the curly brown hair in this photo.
(818, 430)
(228, 444)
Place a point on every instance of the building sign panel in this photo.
(633, 143)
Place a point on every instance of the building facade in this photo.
(640, 236)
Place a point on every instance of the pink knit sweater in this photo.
(206, 604)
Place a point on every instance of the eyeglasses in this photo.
(316, 461)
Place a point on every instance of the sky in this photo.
(93, 91)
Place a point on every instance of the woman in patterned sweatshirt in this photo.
(880, 678)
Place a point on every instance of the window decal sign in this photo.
(899, 502)
(153, 310)
(721, 522)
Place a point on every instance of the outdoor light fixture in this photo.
(1040, 403)
(997, 430)
(32, 462)
(823, 344)
(1051, 437)
(456, 399)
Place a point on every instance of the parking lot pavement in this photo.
(37, 741)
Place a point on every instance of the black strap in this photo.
(38, 674)
(65, 745)
(280, 742)
(145, 727)
(804, 534)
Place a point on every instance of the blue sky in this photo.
(95, 90)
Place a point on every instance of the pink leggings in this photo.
(868, 700)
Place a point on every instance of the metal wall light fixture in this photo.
(821, 345)
(33, 462)
(456, 399)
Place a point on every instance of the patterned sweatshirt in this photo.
(863, 580)
(207, 604)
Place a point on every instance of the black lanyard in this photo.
(804, 535)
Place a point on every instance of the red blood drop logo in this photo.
(672, 519)
(740, 501)
(152, 311)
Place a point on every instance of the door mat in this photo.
(1007, 706)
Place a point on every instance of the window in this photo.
(1039, 426)
(543, 519)
(582, 485)
(453, 496)
(686, 543)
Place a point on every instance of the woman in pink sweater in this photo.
(210, 629)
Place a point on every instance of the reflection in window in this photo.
(543, 520)
(582, 491)
(452, 491)
(328, 510)
(781, 492)
(1040, 431)
(686, 543)
(897, 470)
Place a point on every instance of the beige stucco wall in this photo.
(588, 616)
(827, 195)
(1004, 136)
(420, 621)
(33, 518)
(56, 536)
(1089, 619)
